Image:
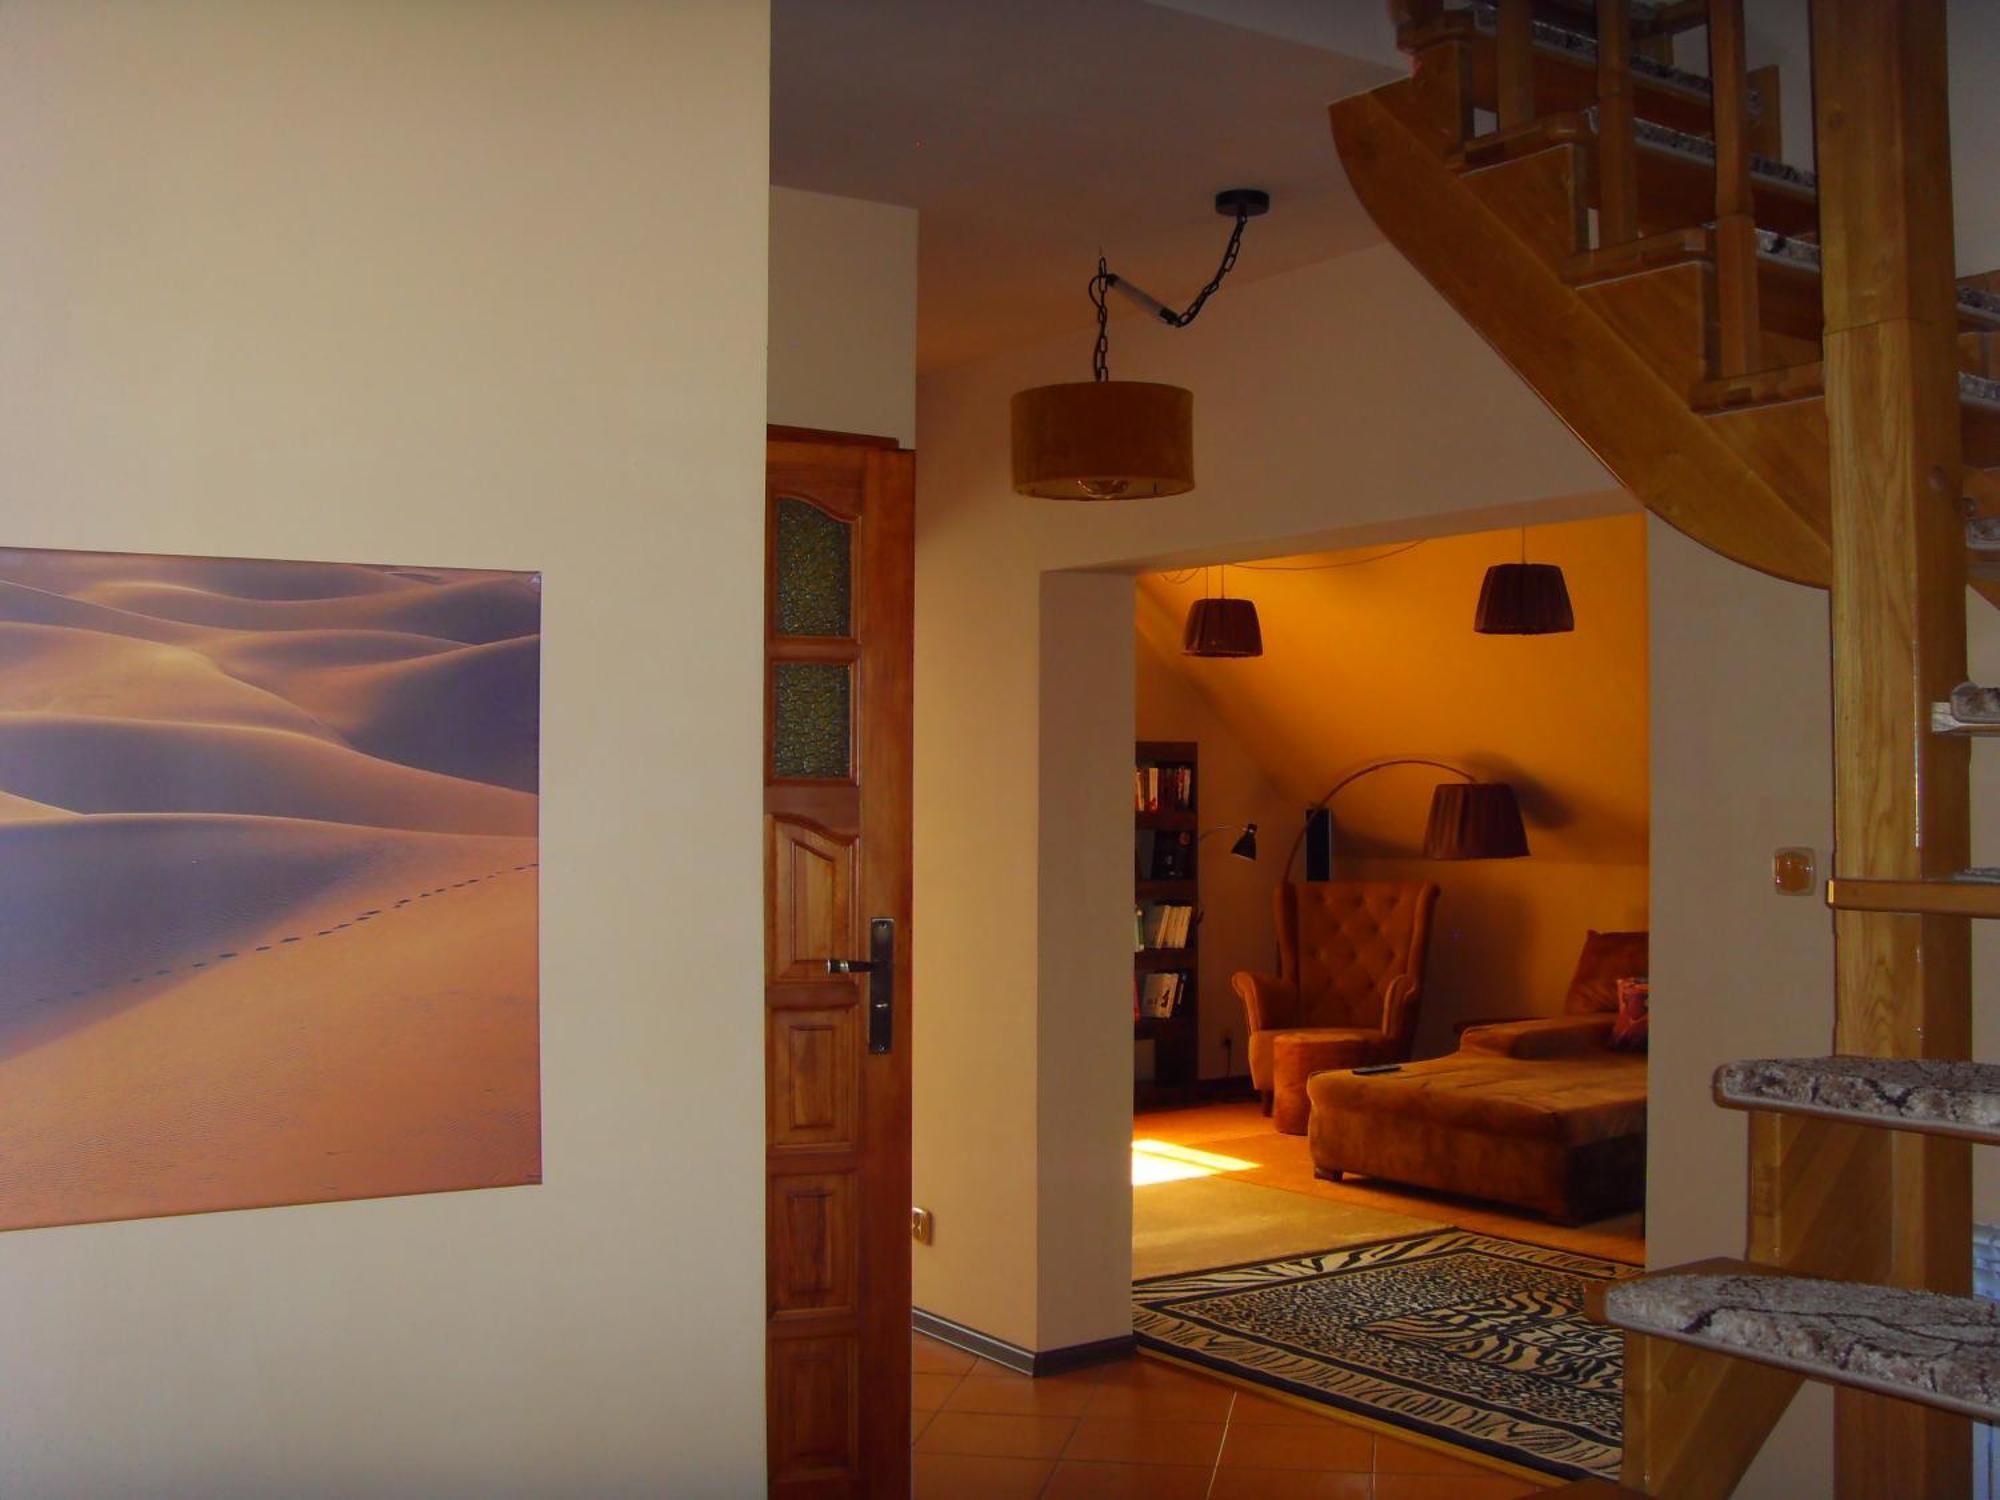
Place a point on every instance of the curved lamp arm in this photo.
(1353, 776)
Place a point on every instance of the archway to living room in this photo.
(1464, 963)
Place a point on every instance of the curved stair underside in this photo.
(1494, 252)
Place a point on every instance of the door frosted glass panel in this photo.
(815, 568)
(812, 712)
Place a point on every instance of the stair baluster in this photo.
(1617, 151)
(1738, 332)
(1515, 64)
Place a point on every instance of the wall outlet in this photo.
(922, 1227)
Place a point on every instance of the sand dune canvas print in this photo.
(268, 883)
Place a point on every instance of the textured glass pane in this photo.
(814, 569)
(810, 720)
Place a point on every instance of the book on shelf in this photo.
(1162, 924)
(1162, 788)
(1159, 995)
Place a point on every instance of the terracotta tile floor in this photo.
(1144, 1428)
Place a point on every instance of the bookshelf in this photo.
(1166, 848)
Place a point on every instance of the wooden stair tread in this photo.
(1918, 1346)
(1590, 1489)
(1950, 897)
(1903, 1093)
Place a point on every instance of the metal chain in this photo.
(1104, 280)
(1100, 357)
(1181, 320)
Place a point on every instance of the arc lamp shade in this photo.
(1222, 627)
(1523, 599)
(1103, 440)
(1475, 820)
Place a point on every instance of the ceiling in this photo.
(1029, 134)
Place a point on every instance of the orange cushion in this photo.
(1607, 957)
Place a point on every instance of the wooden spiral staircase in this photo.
(1784, 368)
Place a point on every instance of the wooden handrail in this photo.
(1737, 338)
(1617, 152)
(1515, 65)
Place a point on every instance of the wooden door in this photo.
(837, 894)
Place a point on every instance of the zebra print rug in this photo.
(1476, 1340)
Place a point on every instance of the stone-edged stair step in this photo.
(1931, 1095)
(1918, 1346)
(1978, 401)
(1971, 710)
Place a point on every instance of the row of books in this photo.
(1163, 788)
(1163, 854)
(1162, 924)
(1158, 995)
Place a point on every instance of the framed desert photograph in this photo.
(268, 883)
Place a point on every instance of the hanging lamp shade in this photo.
(1222, 627)
(1103, 440)
(1475, 820)
(1523, 598)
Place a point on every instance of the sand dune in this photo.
(385, 1053)
(102, 765)
(471, 711)
(20, 810)
(62, 670)
(245, 578)
(23, 604)
(472, 612)
(97, 901)
(270, 658)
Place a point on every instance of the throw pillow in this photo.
(1628, 1032)
(1607, 957)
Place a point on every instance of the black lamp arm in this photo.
(1353, 776)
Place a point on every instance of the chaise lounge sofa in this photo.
(1545, 1114)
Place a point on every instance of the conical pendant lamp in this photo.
(1222, 627)
(1105, 439)
(1523, 598)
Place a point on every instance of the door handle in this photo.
(880, 967)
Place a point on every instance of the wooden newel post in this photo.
(1617, 158)
(1898, 610)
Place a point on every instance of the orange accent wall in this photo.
(1377, 660)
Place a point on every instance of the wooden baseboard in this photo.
(1013, 1356)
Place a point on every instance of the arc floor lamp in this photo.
(1469, 818)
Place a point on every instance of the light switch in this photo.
(1793, 872)
(921, 1226)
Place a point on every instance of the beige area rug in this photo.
(1200, 1223)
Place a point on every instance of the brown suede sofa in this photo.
(1544, 1114)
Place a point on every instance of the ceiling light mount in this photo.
(1111, 439)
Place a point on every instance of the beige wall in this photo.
(433, 283)
(1318, 417)
(1371, 655)
(1741, 746)
(843, 315)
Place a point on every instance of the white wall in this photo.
(459, 284)
(1323, 400)
(843, 315)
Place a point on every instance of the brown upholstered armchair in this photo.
(1351, 955)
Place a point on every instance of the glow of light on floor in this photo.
(1162, 1161)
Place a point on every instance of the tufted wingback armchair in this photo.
(1351, 955)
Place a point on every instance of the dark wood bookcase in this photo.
(1176, 880)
